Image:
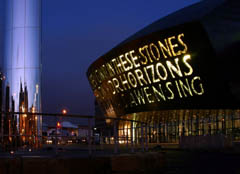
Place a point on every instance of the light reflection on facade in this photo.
(22, 62)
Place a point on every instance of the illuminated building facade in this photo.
(177, 75)
(22, 65)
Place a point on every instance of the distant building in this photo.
(69, 129)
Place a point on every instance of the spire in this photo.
(21, 94)
(25, 96)
(21, 88)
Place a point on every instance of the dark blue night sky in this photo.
(75, 33)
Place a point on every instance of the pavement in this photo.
(176, 161)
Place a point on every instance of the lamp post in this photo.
(64, 112)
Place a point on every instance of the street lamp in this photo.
(59, 123)
(64, 111)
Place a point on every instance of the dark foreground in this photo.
(203, 162)
(165, 161)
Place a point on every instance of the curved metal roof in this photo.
(187, 14)
(220, 18)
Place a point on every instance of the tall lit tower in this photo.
(22, 59)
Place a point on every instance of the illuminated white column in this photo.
(22, 63)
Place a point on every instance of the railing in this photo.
(20, 133)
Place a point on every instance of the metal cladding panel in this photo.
(18, 12)
(23, 48)
(25, 13)
(9, 14)
(223, 26)
(187, 14)
(33, 13)
(211, 32)
(8, 50)
(32, 39)
(18, 48)
(175, 68)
